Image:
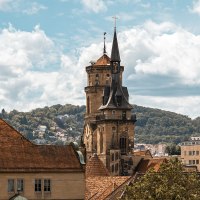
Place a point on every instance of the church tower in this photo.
(109, 124)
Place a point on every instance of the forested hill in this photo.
(60, 124)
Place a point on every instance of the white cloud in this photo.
(94, 5)
(34, 8)
(22, 6)
(161, 68)
(196, 7)
(8, 5)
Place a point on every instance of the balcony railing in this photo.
(115, 117)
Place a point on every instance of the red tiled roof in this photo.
(99, 187)
(95, 167)
(142, 153)
(145, 164)
(18, 153)
(103, 60)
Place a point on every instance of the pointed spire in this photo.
(104, 48)
(115, 57)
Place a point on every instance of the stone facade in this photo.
(109, 123)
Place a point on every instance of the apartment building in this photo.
(190, 152)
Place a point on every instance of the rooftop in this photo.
(18, 154)
(95, 167)
(103, 60)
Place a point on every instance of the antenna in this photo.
(104, 48)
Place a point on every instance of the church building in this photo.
(109, 123)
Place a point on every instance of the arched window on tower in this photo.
(88, 105)
(97, 79)
(101, 142)
(107, 79)
(123, 143)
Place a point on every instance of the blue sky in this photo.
(45, 46)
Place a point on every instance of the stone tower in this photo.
(109, 124)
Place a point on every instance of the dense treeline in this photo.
(152, 126)
(155, 125)
(67, 118)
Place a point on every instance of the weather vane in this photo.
(104, 48)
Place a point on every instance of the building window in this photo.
(197, 153)
(197, 162)
(101, 142)
(193, 162)
(47, 185)
(20, 185)
(88, 105)
(123, 144)
(191, 153)
(113, 156)
(116, 167)
(38, 185)
(116, 156)
(113, 168)
(124, 115)
(11, 185)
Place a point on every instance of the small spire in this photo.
(104, 48)
(115, 57)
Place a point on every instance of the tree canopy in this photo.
(170, 183)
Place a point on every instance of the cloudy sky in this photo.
(46, 44)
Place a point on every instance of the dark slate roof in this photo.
(19, 154)
(115, 57)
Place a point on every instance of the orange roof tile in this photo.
(19, 154)
(142, 153)
(103, 60)
(95, 167)
(99, 187)
(145, 164)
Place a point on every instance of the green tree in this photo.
(170, 183)
(173, 149)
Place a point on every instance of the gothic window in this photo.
(113, 156)
(123, 144)
(116, 156)
(101, 143)
(116, 167)
(97, 79)
(88, 104)
(107, 79)
(113, 168)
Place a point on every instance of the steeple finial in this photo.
(104, 48)
(115, 21)
(115, 57)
